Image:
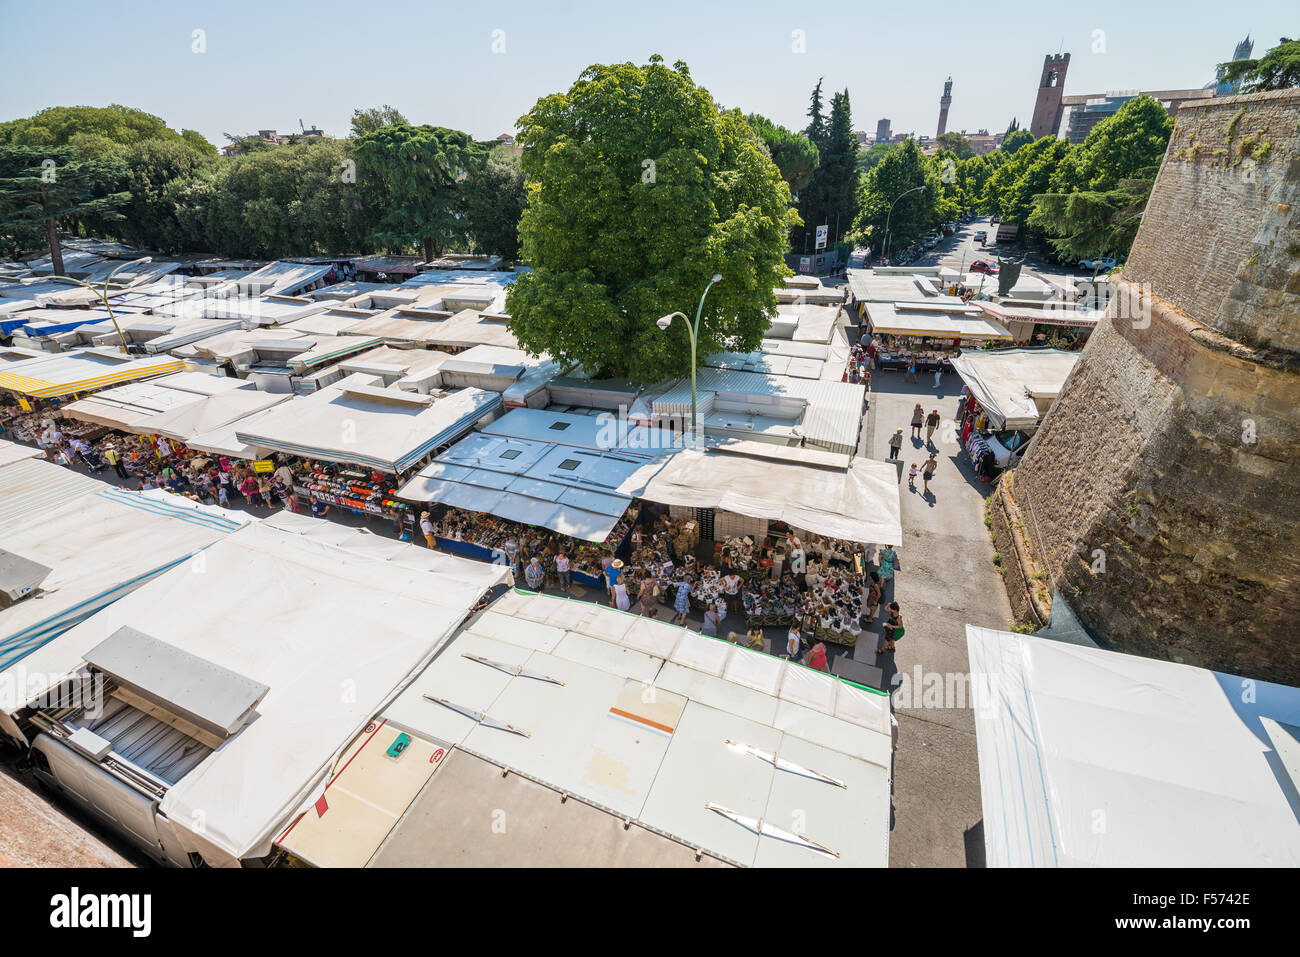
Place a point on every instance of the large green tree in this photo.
(415, 173)
(1278, 69)
(793, 153)
(890, 184)
(1011, 189)
(1126, 145)
(1015, 139)
(45, 188)
(1088, 223)
(376, 117)
(640, 189)
(956, 144)
(494, 201)
(830, 199)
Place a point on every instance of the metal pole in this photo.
(695, 332)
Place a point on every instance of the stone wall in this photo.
(1162, 492)
(1221, 235)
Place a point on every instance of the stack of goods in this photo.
(685, 536)
(706, 591)
(833, 607)
(746, 559)
(770, 602)
(485, 531)
(350, 488)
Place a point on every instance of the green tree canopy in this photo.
(494, 201)
(1011, 189)
(94, 125)
(1278, 69)
(1089, 223)
(794, 154)
(1015, 139)
(376, 117)
(956, 144)
(830, 199)
(415, 173)
(890, 183)
(639, 191)
(1127, 145)
(45, 188)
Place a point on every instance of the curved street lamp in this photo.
(885, 254)
(103, 294)
(665, 321)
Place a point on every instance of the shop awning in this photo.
(920, 319)
(380, 428)
(213, 412)
(67, 373)
(859, 503)
(571, 490)
(1015, 386)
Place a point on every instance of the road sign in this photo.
(822, 232)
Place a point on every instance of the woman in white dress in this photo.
(621, 600)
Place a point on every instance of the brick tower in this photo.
(945, 101)
(1051, 87)
(1161, 495)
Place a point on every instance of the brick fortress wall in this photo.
(1162, 493)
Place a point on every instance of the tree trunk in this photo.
(427, 243)
(56, 252)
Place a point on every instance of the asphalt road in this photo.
(946, 580)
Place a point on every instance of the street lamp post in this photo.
(103, 294)
(665, 321)
(885, 254)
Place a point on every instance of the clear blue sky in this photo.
(270, 63)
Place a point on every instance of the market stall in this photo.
(927, 335)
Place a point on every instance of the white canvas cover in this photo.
(12, 452)
(1007, 381)
(100, 544)
(333, 626)
(858, 504)
(213, 412)
(1091, 758)
(343, 424)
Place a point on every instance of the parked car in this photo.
(981, 235)
(1100, 264)
(949, 228)
(986, 267)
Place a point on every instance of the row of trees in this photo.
(391, 186)
(1084, 199)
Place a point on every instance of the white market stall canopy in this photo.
(922, 319)
(304, 607)
(859, 503)
(727, 736)
(98, 543)
(1181, 766)
(382, 428)
(570, 490)
(1016, 386)
(67, 373)
(214, 412)
(139, 406)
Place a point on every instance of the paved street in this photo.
(961, 249)
(947, 579)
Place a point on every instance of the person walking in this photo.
(911, 477)
(888, 564)
(938, 375)
(563, 573)
(892, 631)
(931, 423)
(911, 370)
(918, 418)
(646, 596)
(731, 589)
(682, 603)
(817, 658)
(927, 471)
(426, 529)
(710, 626)
(874, 592)
(114, 458)
(895, 443)
(794, 643)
